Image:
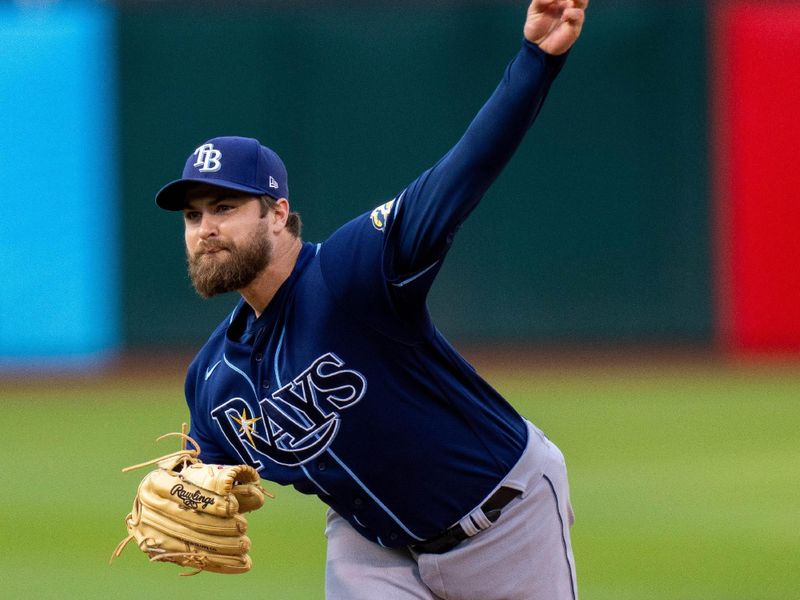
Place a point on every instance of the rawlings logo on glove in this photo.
(190, 499)
(190, 513)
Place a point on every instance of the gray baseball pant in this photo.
(525, 555)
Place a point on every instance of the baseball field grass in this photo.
(685, 482)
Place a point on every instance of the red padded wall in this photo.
(756, 109)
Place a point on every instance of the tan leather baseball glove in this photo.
(191, 513)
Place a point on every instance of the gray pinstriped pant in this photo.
(525, 555)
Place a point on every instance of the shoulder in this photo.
(352, 258)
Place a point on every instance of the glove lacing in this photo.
(188, 455)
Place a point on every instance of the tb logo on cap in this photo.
(208, 158)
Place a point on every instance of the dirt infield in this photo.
(170, 364)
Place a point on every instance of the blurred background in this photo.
(630, 282)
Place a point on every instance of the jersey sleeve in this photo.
(426, 216)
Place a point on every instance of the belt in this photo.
(450, 538)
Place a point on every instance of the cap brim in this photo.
(173, 195)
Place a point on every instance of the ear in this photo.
(280, 214)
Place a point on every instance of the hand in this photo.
(554, 25)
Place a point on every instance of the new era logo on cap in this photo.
(234, 163)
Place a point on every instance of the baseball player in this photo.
(329, 375)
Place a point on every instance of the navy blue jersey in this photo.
(343, 387)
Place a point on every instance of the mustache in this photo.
(211, 246)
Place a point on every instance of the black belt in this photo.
(450, 538)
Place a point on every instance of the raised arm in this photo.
(432, 207)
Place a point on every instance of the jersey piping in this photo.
(373, 496)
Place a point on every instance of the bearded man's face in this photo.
(227, 240)
(220, 266)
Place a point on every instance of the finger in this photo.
(545, 5)
(582, 4)
(574, 16)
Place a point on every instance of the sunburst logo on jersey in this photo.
(246, 425)
(381, 214)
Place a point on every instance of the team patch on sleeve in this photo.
(381, 214)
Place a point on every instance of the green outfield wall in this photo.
(598, 231)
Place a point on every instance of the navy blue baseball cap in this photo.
(234, 163)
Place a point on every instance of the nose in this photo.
(208, 226)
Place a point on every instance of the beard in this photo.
(232, 267)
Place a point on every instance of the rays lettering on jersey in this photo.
(298, 421)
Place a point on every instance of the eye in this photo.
(191, 216)
(223, 208)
